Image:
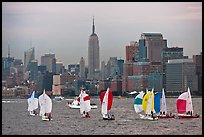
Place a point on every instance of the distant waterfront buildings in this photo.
(93, 55)
(149, 64)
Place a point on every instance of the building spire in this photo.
(8, 51)
(93, 28)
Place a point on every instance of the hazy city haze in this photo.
(64, 28)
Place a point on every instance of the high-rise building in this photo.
(154, 44)
(49, 61)
(168, 54)
(181, 74)
(74, 69)
(93, 54)
(82, 68)
(29, 55)
(103, 70)
(59, 67)
(33, 70)
(197, 59)
(132, 52)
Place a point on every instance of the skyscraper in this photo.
(29, 55)
(154, 44)
(49, 61)
(93, 54)
(82, 68)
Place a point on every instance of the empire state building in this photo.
(93, 54)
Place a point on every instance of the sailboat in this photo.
(185, 106)
(32, 103)
(163, 112)
(148, 106)
(45, 106)
(84, 101)
(138, 102)
(75, 104)
(106, 98)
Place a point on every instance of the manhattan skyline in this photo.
(64, 28)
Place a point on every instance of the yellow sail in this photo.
(152, 102)
(145, 101)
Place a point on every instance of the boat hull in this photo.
(78, 107)
(189, 116)
(148, 117)
(45, 118)
(166, 116)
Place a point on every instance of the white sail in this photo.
(138, 102)
(189, 105)
(45, 104)
(150, 104)
(32, 102)
(104, 106)
(163, 106)
(84, 102)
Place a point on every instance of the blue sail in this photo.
(157, 97)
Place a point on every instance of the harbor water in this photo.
(66, 121)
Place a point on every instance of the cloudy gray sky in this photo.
(64, 28)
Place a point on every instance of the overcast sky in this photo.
(64, 28)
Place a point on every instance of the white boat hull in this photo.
(44, 118)
(78, 107)
(148, 117)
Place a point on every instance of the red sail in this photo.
(102, 96)
(181, 106)
(110, 98)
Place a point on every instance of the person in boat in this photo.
(84, 113)
(152, 114)
(112, 117)
(49, 116)
(35, 112)
(109, 117)
(87, 114)
(196, 114)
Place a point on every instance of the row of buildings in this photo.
(149, 63)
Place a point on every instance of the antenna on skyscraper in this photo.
(93, 28)
(8, 51)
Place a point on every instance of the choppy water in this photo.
(66, 121)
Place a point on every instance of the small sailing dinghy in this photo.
(185, 106)
(33, 104)
(75, 104)
(106, 98)
(138, 102)
(163, 112)
(148, 106)
(85, 106)
(45, 106)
